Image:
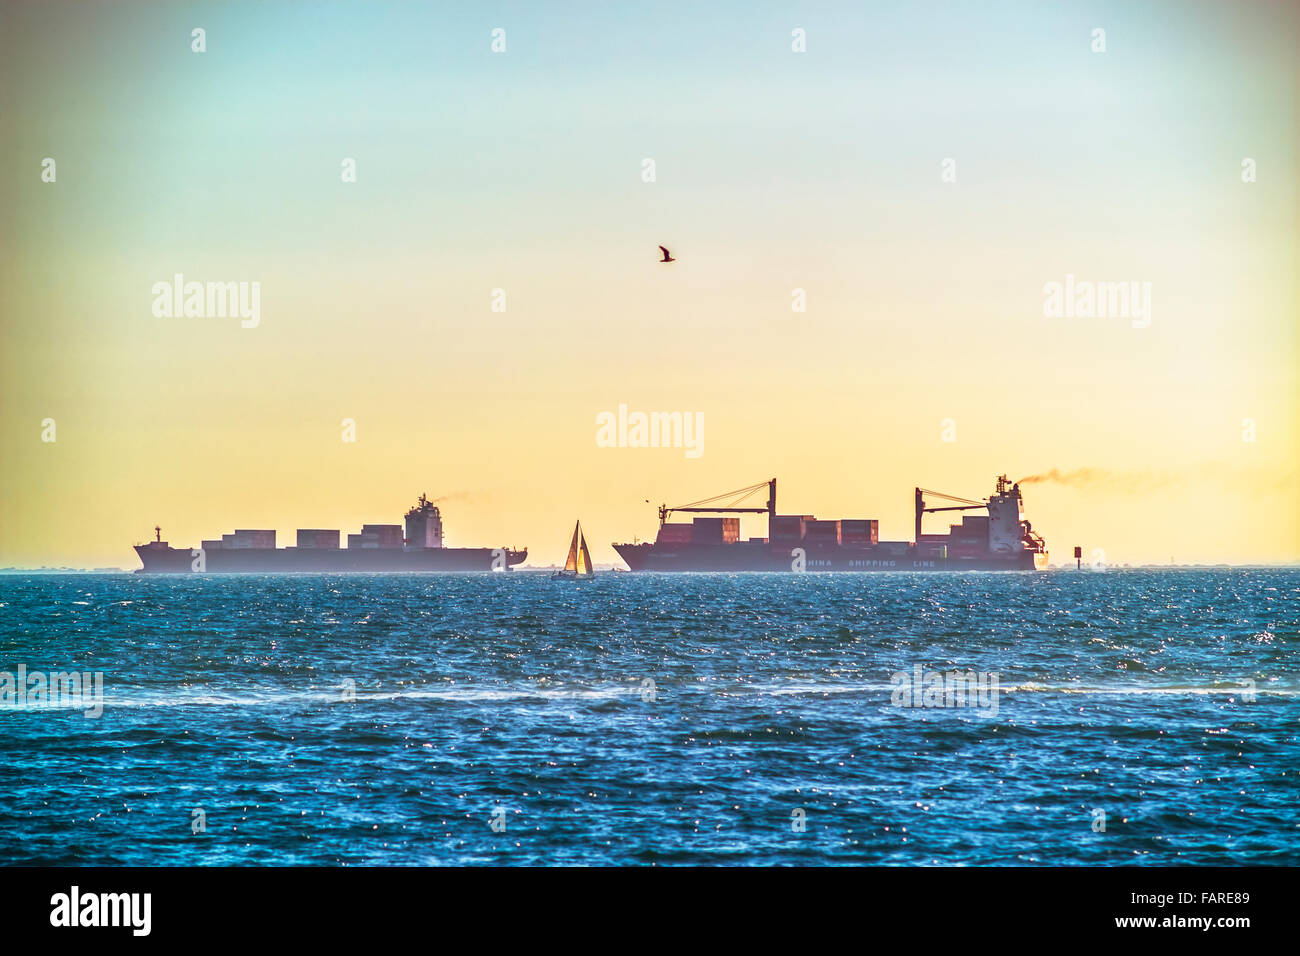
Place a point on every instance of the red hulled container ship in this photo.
(997, 540)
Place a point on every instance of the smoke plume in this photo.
(1148, 480)
(1078, 476)
(462, 496)
(1133, 481)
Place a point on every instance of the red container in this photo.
(675, 534)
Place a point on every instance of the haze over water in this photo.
(1122, 692)
(924, 356)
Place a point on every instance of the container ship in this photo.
(379, 547)
(997, 540)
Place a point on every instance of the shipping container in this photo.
(859, 530)
(675, 534)
(318, 538)
(250, 538)
(822, 532)
(382, 535)
(787, 527)
(716, 530)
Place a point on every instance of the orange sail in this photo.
(571, 562)
(585, 566)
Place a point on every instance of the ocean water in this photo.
(659, 719)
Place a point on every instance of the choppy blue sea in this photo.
(659, 719)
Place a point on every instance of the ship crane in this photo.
(922, 509)
(735, 499)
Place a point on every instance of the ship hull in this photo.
(166, 560)
(761, 556)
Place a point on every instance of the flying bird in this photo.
(667, 257)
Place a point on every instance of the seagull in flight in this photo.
(667, 257)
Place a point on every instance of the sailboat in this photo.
(578, 563)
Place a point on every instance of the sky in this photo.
(923, 356)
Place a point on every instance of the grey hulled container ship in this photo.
(416, 546)
(998, 540)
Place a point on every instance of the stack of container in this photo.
(317, 538)
(247, 538)
(783, 528)
(970, 538)
(822, 532)
(675, 534)
(376, 536)
(860, 531)
(715, 531)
